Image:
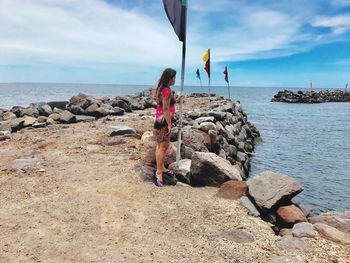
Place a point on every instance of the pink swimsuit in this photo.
(159, 111)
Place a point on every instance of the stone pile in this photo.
(217, 144)
(79, 108)
(312, 96)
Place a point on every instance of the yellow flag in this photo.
(206, 56)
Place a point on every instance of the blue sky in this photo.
(263, 43)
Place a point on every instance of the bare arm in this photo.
(166, 110)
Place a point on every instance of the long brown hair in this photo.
(163, 82)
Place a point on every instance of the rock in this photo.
(24, 165)
(170, 155)
(332, 233)
(12, 125)
(42, 119)
(204, 119)
(285, 232)
(207, 126)
(76, 110)
(120, 130)
(303, 229)
(195, 140)
(236, 235)
(284, 259)
(67, 117)
(338, 220)
(58, 104)
(84, 118)
(45, 110)
(293, 244)
(245, 201)
(290, 214)
(233, 190)
(55, 116)
(208, 169)
(270, 189)
(39, 125)
(8, 116)
(183, 172)
(29, 121)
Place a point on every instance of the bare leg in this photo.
(160, 157)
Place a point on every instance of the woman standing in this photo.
(162, 127)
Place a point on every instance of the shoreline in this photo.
(75, 155)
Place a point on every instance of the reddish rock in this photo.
(233, 190)
(291, 214)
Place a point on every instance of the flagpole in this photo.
(229, 93)
(178, 149)
(209, 91)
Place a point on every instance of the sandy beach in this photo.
(85, 202)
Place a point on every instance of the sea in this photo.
(309, 142)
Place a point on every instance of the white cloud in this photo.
(339, 24)
(76, 32)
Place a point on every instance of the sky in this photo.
(263, 43)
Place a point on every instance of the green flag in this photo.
(176, 12)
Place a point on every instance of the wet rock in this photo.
(58, 104)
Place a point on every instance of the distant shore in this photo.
(322, 96)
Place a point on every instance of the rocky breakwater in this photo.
(80, 108)
(217, 145)
(312, 96)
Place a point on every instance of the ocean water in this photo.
(309, 142)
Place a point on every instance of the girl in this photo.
(162, 127)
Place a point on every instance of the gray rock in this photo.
(67, 117)
(194, 140)
(245, 201)
(293, 244)
(269, 189)
(8, 116)
(84, 118)
(76, 110)
(208, 169)
(303, 229)
(205, 119)
(45, 110)
(236, 235)
(284, 259)
(12, 125)
(29, 121)
(24, 165)
(207, 126)
(182, 173)
(120, 130)
(58, 104)
(332, 233)
(338, 220)
(55, 116)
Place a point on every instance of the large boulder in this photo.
(233, 190)
(338, 220)
(208, 169)
(58, 104)
(332, 233)
(12, 125)
(44, 110)
(67, 117)
(290, 214)
(196, 140)
(270, 189)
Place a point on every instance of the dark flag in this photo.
(198, 75)
(206, 59)
(176, 12)
(226, 74)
